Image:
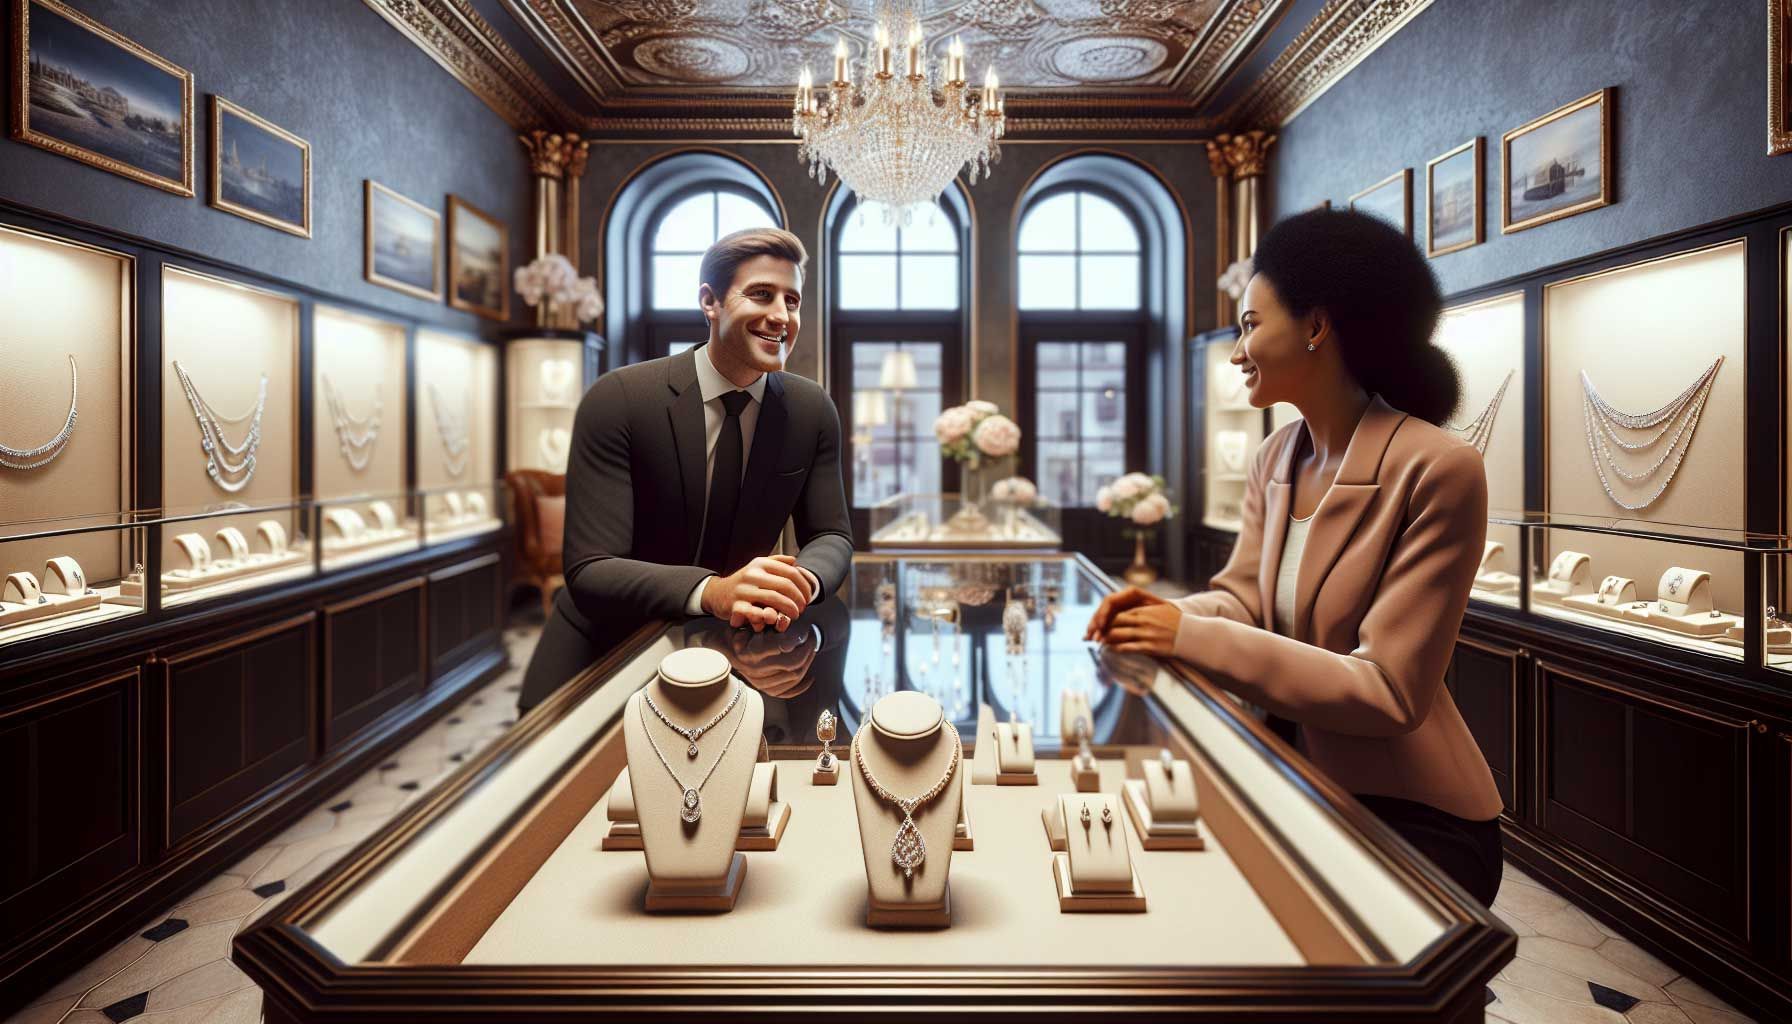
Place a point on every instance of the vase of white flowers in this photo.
(1144, 502)
(977, 436)
(560, 296)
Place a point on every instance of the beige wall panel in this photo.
(461, 374)
(362, 359)
(1486, 341)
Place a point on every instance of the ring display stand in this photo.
(1015, 764)
(1489, 577)
(1683, 605)
(1568, 576)
(1165, 808)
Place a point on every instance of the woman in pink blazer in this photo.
(1363, 526)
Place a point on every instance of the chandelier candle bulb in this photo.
(840, 61)
(883, 52)
(914, 53)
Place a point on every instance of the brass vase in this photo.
(1139, 573)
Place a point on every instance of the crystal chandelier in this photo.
(887, 136)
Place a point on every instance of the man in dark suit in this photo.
(684, 470)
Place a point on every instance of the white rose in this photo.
(1002, 490)
(997, 436)
(1104, 499)
(1024, 491)
(1148, 513)
(1125, 488)
(952, 425)
(978, 407)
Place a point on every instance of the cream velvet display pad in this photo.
(89, 319)
(227, 336)
(909, 750)
(544, 381)
(1486, 342)
(456, 396)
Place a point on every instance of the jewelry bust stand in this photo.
(1613, 599)
(1095, 873)
(691, 805)
(907, 792)
(1014, 755)
(761, 825)
(1569, 575)
(1489, 577)
(1683, 605)
(1164, 807)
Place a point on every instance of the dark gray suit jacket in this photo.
(635, 495)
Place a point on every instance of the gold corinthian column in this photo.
(1237, 161)
(555, 158)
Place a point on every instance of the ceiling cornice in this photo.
(566, 37)
(1335, 41)
(1230, 36)
(453, 34)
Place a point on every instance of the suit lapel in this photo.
(762, 461)
(686, 414)
(1344, 505)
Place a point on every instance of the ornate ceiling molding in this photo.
(570, 40)
(453, 34)
(1234, 30)
(1336, 40)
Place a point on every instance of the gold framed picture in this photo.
(83, 91)
(1558, 165)
(1779, 77)
(403, 243)
(259, 170)
(478, 261)
(1453, 199)
(1390, 199)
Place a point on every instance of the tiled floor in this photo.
(1570, 969)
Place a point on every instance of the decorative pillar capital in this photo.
(577, 152)
(549, 152)
(1245, 153)
(1216, 160)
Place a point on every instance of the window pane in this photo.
(1104, 413)
(1056, 364)
(1051, 225)
(1105, 227)
(1110, 282)
(929, 282)
(737, 213)
(867, 232)
(931, 232)
(1103, 463)
(1048, 282)
(674, 348)
(1057, 416)
(867, 282)
(1104, 364)
(867, 363)
(675, 281)
(1058, 477)
(689, 226)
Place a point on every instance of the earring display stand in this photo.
(1095, 873)
(907, 751)
(1164, 806)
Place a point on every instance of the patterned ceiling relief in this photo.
(1035, 44)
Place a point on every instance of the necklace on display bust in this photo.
(1479, 430)
(231, 476)
(556, 379)
(691, 802)
(909, 849)
(453, 432)
(555, 444)
(1603, 422)
(44, 454)
(355, 435)
(692, 735)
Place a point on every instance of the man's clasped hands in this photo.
(768, 591)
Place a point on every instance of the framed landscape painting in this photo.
(1453, 200)
(1558, 165)
(259, 170)
(85, 92)
(478, 261)
(1390, 199)
(403, 242)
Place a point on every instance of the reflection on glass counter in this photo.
(947, 522)
(364, 528)
(69, 573)
(450, 513)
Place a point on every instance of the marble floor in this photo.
(1570, 968)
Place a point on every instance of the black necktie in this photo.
(724, 486)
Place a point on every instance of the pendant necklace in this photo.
(355, 435)
(909, 849)
(44, 454)
(1479, 430)
(692, 735)
(454, 435)
(691, 800)
(231, 476)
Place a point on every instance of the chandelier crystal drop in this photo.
(890, 138)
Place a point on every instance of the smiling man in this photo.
(684, 470)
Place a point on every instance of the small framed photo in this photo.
(1390, 199)
(478, 261)
(1558, 165)
(83, 91)
(1453, 199)
(403, 243)
(259, 170)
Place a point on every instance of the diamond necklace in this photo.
(1479, 430)
(231, 476)
(691, 802)
(1600, 417)
(454, 435)
(44, 454)
(909, 849)
(692, 735)
(355, 435)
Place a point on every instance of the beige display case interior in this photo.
(457, 394)
(1234, 429)
(62, 506)
(228, 337)
(358, 438)
(1635, 609)
(1486, 341)
(546, 381)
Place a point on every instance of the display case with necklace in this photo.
(231, 475)
(355, 435)
(909, 850)
(44, 454)
(1604, 424)
(1479, 430)
(453, 432)
(691, 798)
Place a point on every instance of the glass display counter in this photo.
(63, 574)
(365, 528)
(218, 550)
(923, 522)
(451, 513)
(518, 888)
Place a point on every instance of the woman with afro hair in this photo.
(1363, 527)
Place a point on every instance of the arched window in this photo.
(1079, 251)
(896, 327)
(685, 231)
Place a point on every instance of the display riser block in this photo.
(1593, 606)
(1154, 835)
(335, 548)
(58, 604)
(1551, 597)
(1087, 780)
(1117, 902)
(1053, 838)
(180, 584)
(939, 916)
(762, 838)
(699, 899)
(830, 777)
(1685, 625)
(1497, 583)
(1017, 779)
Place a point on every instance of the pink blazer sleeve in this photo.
(1385, 685)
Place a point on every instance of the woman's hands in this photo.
(1136, 622)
